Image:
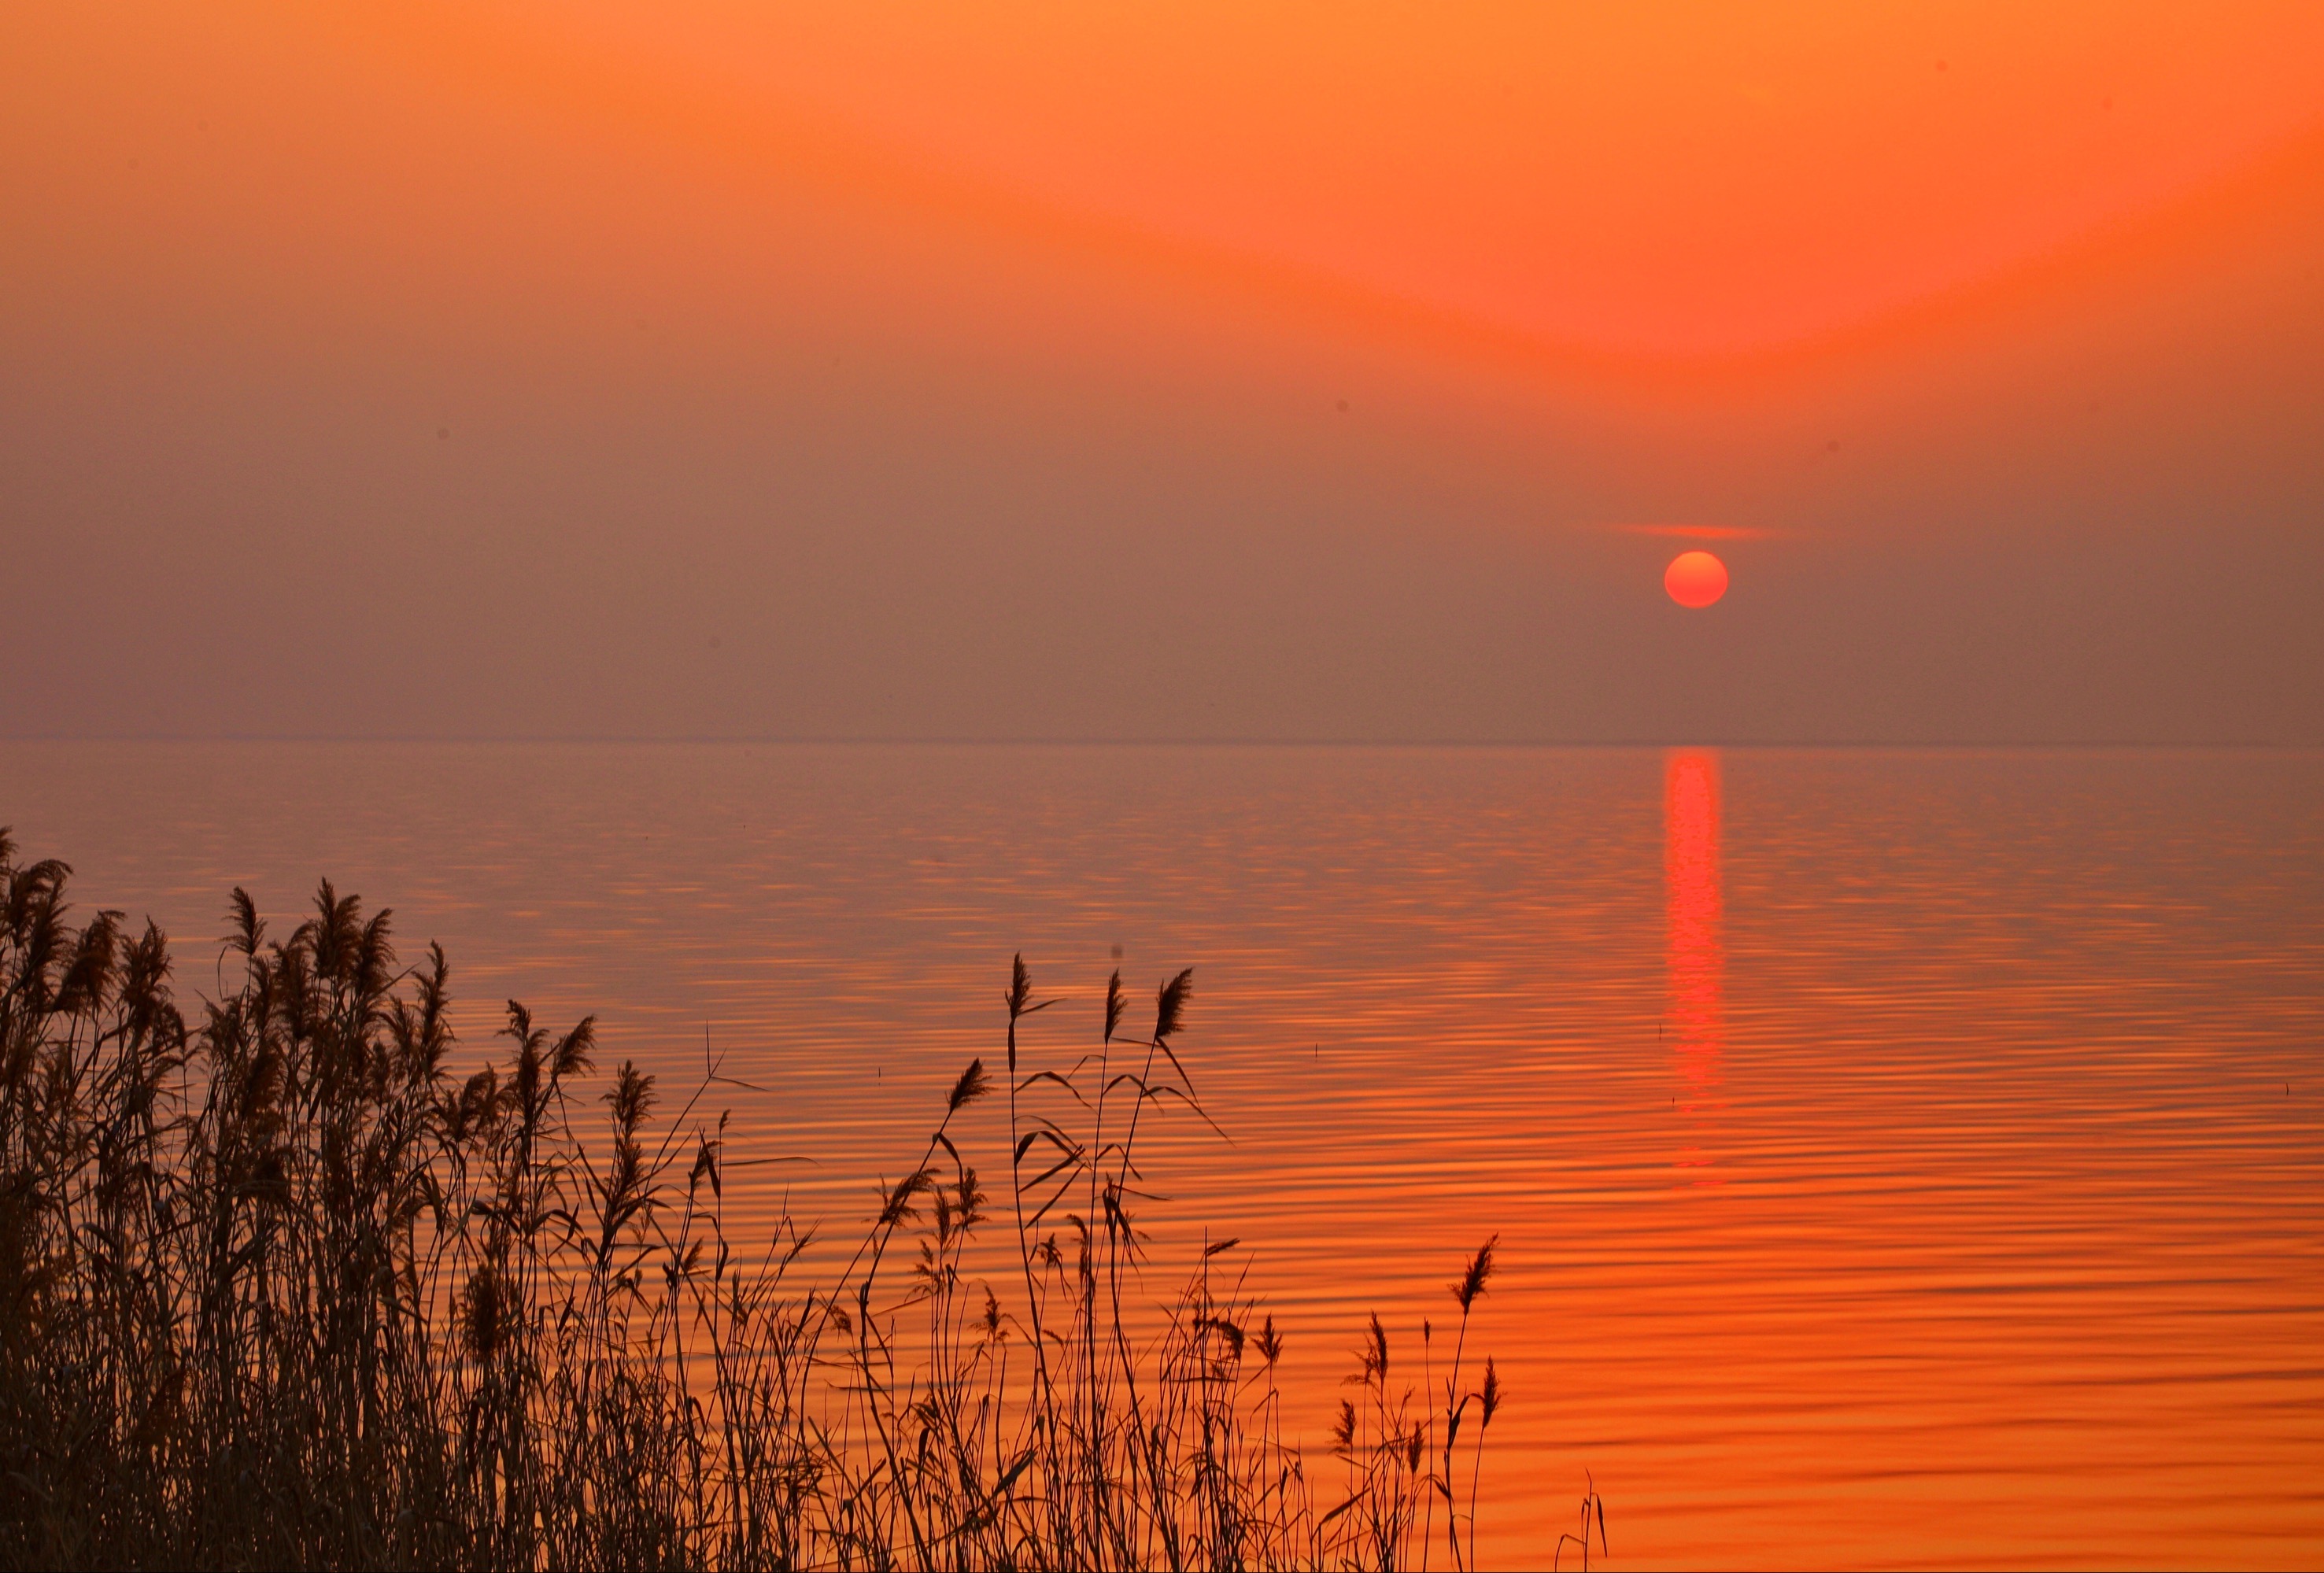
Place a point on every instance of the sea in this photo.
(1894, 1158)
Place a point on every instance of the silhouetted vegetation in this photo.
(278, 1287)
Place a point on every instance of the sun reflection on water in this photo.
(1693, 1020)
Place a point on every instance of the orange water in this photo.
(1898, 1157)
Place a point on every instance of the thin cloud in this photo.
(1698, 531)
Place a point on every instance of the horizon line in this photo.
(828, 740)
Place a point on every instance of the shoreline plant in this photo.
(278, 1287)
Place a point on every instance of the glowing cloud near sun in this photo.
(1695, 579)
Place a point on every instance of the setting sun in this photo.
(1695, 579)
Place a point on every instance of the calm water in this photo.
(1898, 1157)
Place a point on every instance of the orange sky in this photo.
(1663, 177)
(787, 326)
(1671, 177)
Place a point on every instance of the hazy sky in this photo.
(1194, 371)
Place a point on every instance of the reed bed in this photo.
(278, 1287)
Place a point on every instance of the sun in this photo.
(1695, 579)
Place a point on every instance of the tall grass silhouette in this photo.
(278, 1287)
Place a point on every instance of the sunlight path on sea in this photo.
(1899, 1157)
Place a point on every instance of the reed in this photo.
(279, 1288)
